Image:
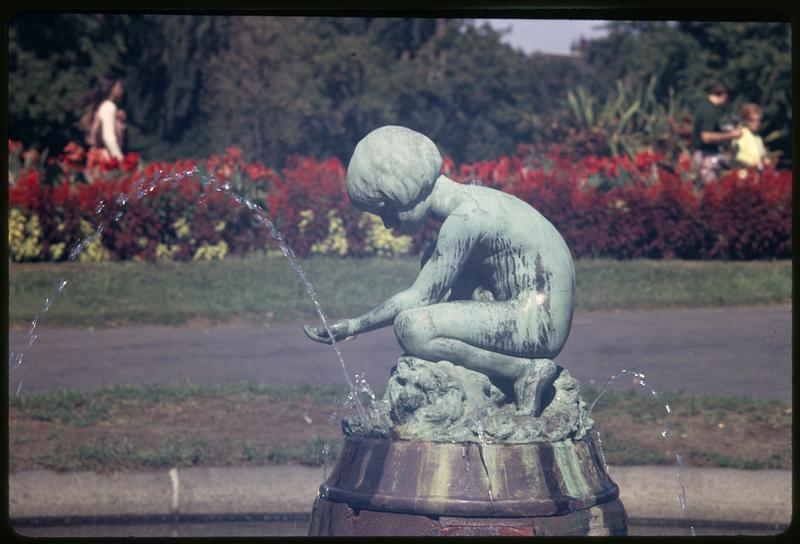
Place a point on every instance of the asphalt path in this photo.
(718, 351)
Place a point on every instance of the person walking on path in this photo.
(708, 134)
(100, 118)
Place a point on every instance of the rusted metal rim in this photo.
(441, 478)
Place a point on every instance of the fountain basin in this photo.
(406, 487)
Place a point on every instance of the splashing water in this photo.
(478, 426)
(142, 188)
(666, 433)
(15, 359)
(602, 454)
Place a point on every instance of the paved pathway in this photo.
(730, 351)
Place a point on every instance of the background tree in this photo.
(53, 59)
(752, 58)
(277, 86)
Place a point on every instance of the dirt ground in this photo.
(263, 430)
(737, 441)
(213, 432)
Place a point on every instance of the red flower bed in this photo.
(604, 207)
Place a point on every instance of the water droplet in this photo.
(32, 339)
(99, 207)
(18, 359)
(121, 199)
(34, 322)
(61, 285)
(48, 301)
(75, 251)
(226, 186)
(117, 217)
(668, 409)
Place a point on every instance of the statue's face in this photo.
(407, 221)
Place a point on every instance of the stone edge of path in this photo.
(648, 492)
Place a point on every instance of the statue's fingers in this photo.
(314, 333)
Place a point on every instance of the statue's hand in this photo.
(340, 331)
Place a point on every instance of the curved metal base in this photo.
(398, 487)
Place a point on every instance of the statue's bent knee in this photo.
(407, 333)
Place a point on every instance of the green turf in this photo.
(259, 287)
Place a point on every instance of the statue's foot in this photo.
(530, 386)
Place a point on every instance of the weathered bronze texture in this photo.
(398, 487)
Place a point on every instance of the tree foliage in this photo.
(752, 58)
(277, 86)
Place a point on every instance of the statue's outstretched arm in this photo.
(435, 279)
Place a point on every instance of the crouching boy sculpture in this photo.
(481, 325)
(491, 246)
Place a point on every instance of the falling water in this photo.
(602, 455)
(666, 433)
(141, 188)
(478, 425)
(292, 259)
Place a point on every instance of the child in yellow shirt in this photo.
(748, 149)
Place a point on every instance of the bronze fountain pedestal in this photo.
(414, 488)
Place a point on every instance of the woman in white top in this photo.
(100, 119)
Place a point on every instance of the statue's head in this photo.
(392, 173)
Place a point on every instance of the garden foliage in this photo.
(618, 207)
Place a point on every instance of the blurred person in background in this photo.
(100, 121)
(748, 149)
(709, 135)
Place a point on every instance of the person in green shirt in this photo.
(708, 134)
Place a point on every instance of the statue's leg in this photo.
(529, 387)
(495, 338)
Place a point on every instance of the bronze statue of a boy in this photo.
(489, 242)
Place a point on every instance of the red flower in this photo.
(31, 156)
(73, 153)
(130, 162)
(233, 152)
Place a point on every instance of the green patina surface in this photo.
(570, 468)
(488, 312)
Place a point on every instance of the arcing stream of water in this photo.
(141, 189)
(666, 433)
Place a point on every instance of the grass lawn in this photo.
(262, 288)
(121, 428)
